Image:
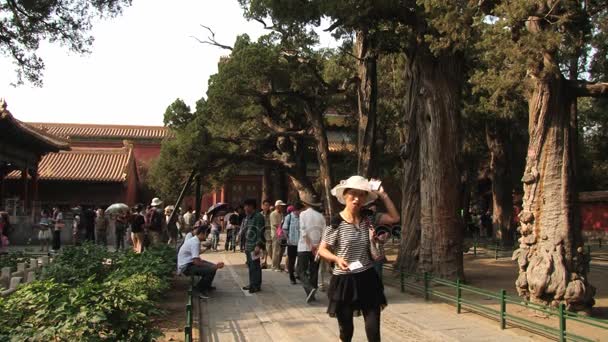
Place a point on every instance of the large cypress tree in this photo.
(546, 43)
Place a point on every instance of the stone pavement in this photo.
(279, 313)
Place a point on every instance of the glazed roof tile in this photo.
(72, 130)
(84, 164)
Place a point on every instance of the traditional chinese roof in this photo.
(85, 164)
(16, 132)
(340, 141)
(335, 119)
(76, 131)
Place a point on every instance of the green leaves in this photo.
(178, 115)
(114, 305)
(26, 23)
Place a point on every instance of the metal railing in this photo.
(425, 284)
(491, 248)
(189, 317)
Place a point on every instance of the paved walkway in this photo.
(279, 313)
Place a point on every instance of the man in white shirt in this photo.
(190, 263)
(312, 224)
(189, 219)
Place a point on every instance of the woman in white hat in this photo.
(355, 287)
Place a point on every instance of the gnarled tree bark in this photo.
(552, 266)
(552, 263)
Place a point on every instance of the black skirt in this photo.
(357, 290)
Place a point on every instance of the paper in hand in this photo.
(375, 184)
(353, 266)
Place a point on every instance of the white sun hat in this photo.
(354, 182)
(156, 202)
(279, 202)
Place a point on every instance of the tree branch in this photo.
(335, 25)
(588, 89)
(211, 40)
(266, 27)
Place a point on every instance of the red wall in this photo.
(594, 216)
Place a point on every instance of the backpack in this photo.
(156, 220)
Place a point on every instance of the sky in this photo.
(140, 63)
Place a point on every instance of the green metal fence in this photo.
(596, 249)
(189, 317)
(426, 285)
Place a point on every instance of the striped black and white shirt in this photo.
(350, 242)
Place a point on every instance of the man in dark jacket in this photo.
(253, 226)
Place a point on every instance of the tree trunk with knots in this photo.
(552, 263)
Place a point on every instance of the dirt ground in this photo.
(483, 271)
(173, 321)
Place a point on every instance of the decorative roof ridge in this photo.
(63, 124)
(49, 138)
(100, 150)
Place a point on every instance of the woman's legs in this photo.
(56, 240)
(345, 322)
(372, 324)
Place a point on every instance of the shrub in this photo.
(100, 301)
(78, 263)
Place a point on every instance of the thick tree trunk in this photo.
(280, 185)
(410, 190)
(438, 125)
(302, 185)
(497, 137)
(552, 263)
(315, 117)
(367, 95)
(266, 184)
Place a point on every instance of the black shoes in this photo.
(293, 281)
(251, 289)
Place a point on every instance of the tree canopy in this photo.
(27, 23)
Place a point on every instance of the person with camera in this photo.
(349, 242)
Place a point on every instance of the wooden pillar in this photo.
(197, 196)
(266, 185)
(24, 195)
(34, 174)
(282, 180)
(2, 189)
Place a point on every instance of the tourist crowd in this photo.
(351, 244)
(139, 226)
